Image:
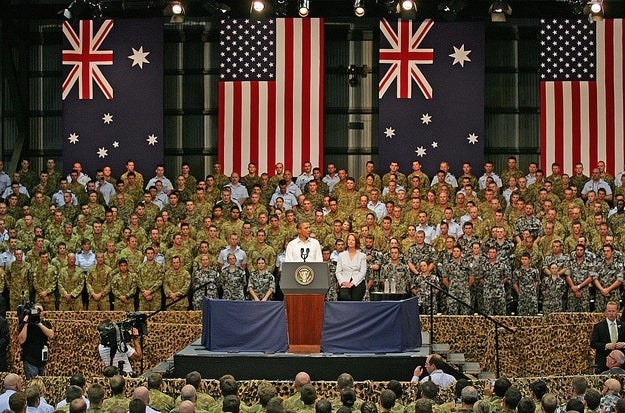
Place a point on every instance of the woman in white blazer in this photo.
(351, 268)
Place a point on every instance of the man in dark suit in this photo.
(607, 335)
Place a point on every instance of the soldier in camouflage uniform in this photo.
(232, 279)
(580, 276)
(494, 276)
(421, 251)
(71, 281)
(132, 254)
(176, 283)
(18, 276)
(421, 289)
(117, 399)
(476, 261)
(150, 281)
(159, 400)
(44, 282)
(262, 283)
(332, 294)
(608, 278)
(123, 287)
(205, 281)
(525, 282)
(374, 265)
(553, 289)
(396, 271)
(457, 278)
(261, 249)
(99, 284)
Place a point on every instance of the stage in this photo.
(284, 366)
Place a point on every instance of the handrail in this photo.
(475, 311)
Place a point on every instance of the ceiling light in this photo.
(177, 9)
(303, 8)
(258, 6)
(498, 11)
(359, 8)
(594, 10)
(408, 5)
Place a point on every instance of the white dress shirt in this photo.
(294, 250)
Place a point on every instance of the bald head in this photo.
(186, 407)
(142, 394)
(301, 378)
(12, 382)
(189, 393)
(613, 385)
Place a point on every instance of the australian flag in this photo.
(113, 94)
(431, 94)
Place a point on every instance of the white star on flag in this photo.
(102, 153)
(108, 118)
(420, 151)
(152, 140)
(434, 144)
(472, 138)
(460, 55)
(138, 57)
(426, 118)
(73, 138)
(115, 144)
(390, 132)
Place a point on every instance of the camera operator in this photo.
(112, 336)
(33, 337)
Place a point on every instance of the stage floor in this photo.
(284, 366)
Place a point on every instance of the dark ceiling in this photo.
(471, 10)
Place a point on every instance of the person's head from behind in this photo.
(526, 405)
(116, 384)
(80, 406)
(575, 405)
(228, 386)
(579, 385)
(423, 405)
(96, 393)
(155, 380)
(429, 390)
(136, 406)
(17, 402)
(231, 404)
(344, 380)
(395, 386)
(512, 397)
(266, 391)
(502, 385)
(78, 380)
(195, 379)
(186, 406)
(188, 392)
(538, 389)
(72, 393)
(308, 394)
(323, 406)
(592, 399)
(549, 402)
(274, 405)
(32, 396)
(469, 395)
(620, 406)
(387, 399)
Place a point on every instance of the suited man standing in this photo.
(607, 335)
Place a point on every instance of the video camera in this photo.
(29, 309)
(114, 334)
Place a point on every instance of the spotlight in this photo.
(177, 9)
(359, 8)
(449, 9)
(258, 6)
(594, 10)
(85, 9)
(498, 11)
(177, 12)
(407, 5)
(303, 8)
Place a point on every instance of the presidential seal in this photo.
(304, 275)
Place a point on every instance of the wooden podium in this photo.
(305, 285)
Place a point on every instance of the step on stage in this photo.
(284, 366)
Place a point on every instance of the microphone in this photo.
(304, 253)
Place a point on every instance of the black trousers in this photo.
(355, 293)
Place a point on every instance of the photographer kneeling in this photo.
(118, 346)
(34, 333)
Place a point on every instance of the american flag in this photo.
(443, 120)
(113, 94)
(581, 93)
(270, 93)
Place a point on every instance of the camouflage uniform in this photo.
(177, 282)
(99, 282)
(123, 286)
(134, 257)
(71, 281)
(494, 295)
(261, 283)
(161, 401)
(475, 265)
(607, 274)
(210, 279)
(254, 253)
(332, 294)
(44, 281)
(150, 277)
(399, 273)
(579, 272)
(527, 279)
(423, 291)
(112, 402)
(458, 275)
(233, 283)
(375, 257)
(553, 290)
(417, 254)
(18, 281)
